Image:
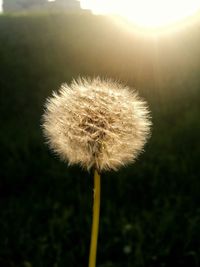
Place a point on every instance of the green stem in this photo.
(95, 220)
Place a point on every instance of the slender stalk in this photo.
(95, 220)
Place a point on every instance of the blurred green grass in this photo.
(150, 212)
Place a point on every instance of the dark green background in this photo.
(153, 206)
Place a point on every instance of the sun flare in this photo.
(146, 13)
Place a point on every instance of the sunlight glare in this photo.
(145, 13)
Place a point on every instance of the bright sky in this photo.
(148, 13)
(0, 5)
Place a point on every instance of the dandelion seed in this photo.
(96, 123)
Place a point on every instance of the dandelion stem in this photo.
(95, 220)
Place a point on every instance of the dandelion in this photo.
(99, 124)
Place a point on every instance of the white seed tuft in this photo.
(96, 123)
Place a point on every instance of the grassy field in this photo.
(150, 214)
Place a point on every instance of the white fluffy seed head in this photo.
(96, 123)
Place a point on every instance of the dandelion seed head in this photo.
(96, 123)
